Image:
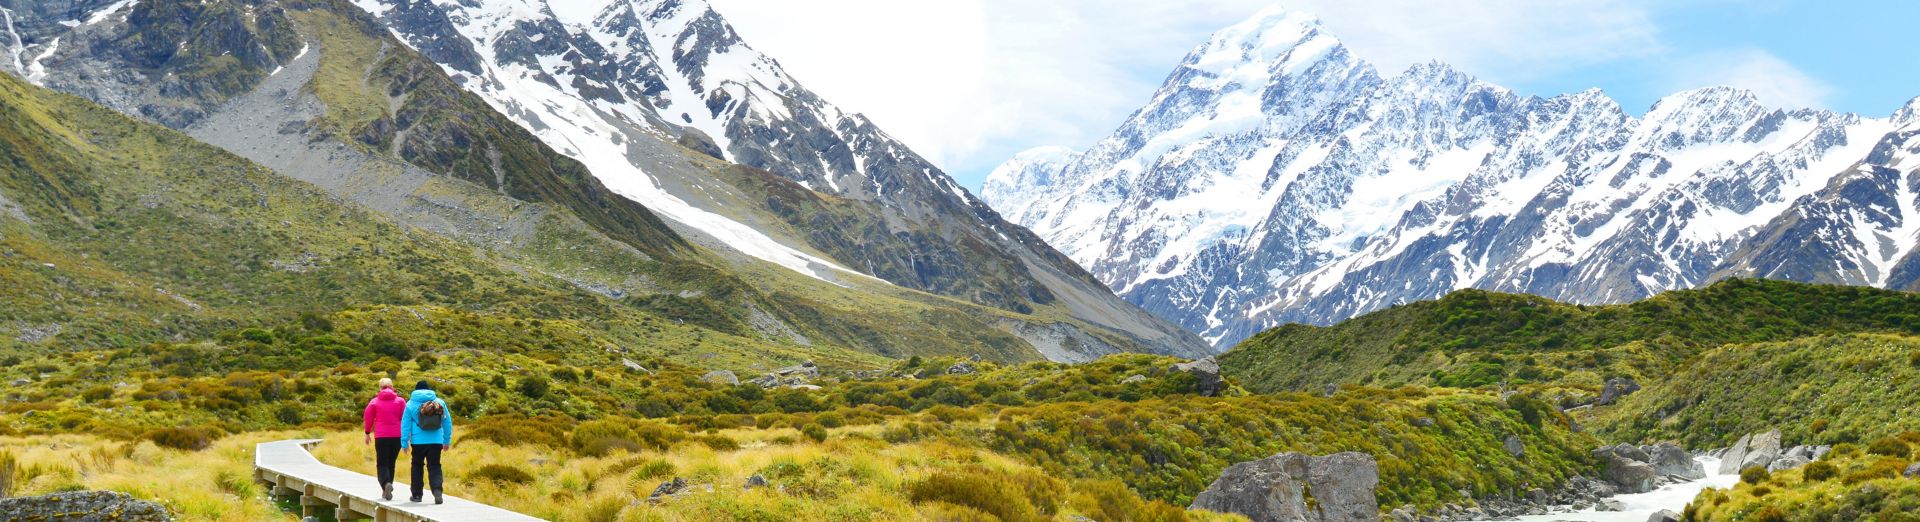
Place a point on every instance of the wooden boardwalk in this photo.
(289, 469)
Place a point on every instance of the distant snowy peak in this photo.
(1277, 178)
(1007, 184)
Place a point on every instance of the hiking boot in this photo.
(414, 499)
(386, 492)
(438, 498)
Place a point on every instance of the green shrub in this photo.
(1754, 475)
(601, 437)
(1890, 447)
(1768, 514)
(980, 491)
(97, 393)
(1819, 471)
(814, 431)
(288, 414)
(501, 474)
(1884, 468)
(189, 439)
(534, 387)
(718, 442)
(515, 430)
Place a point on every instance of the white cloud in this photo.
(1774, 81)
(969, 83)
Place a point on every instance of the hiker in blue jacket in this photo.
(426, 430)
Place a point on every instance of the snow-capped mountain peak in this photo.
(1276, 178)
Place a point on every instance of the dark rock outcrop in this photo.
(1616, 388)
(1664, 515)
(1206, 374)
(669, 488)
(1292, 487)
(82, 506)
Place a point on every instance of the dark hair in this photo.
(423, 385)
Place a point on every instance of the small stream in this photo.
(1641, 505)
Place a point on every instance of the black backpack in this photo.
(432, 415)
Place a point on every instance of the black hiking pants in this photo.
(386, 451)
(427, 455)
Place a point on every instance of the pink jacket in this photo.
(382, 417)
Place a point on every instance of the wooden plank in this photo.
(290, 462)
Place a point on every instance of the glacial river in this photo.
(1641, 505)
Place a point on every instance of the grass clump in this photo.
(1819, 471)
(977, 491)
(502, 474)
(188, 439)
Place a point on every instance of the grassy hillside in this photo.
(1816, 390)
(1475, 338)
(579, 433)
(1855, 482)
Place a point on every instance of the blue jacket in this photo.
(410, 432)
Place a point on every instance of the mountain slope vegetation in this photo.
(1475, 337)
(333, 99)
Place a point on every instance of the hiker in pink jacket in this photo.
(381, 422)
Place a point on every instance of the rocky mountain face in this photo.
(597, 80)
(1278, 178)
(640, 152)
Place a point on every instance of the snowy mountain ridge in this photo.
(601, 80)
(1276, 178)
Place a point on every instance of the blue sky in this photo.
(969, 83)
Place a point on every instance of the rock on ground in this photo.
(1730, 461)
(83, 506)
(1616, 388)
(1626, 451)
(1631, 476)
(1787, 462)
(1278, 489)
(721, 377)
(1671, 459)
(1664, 515)
(1762, 451)
(1206, 373)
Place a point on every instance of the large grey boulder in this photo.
(1616, 388)
(1631, 476)
(1787, 462)
(721, 377)
(1669, 459)
(82, 506)
(1730, 461)
(1278, 489)
(1664, 515)
(1627, 451)
(1762, 451)
(1206, 375)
